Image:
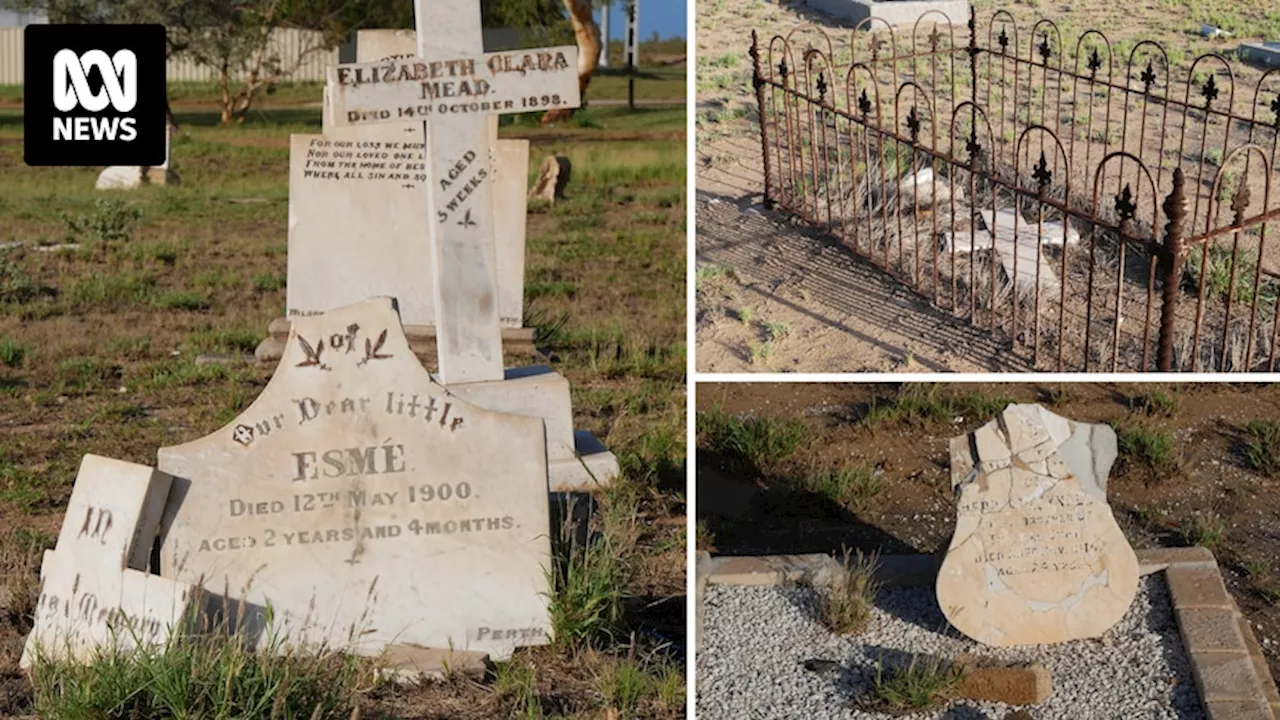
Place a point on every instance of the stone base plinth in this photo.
(576, 460)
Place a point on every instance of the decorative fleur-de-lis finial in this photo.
(1095, 64)
(1041, 173)
(822, 88)
(1045, 50)
(1148, 77)
(1003, 40)
(782, 70)
(864, 104)
(934, 38)
(1126, 208)
(1210, 91)
(972, 147)
(1275, 107)
(913, 124)
(1240, 202)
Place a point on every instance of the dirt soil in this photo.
(1207, 483)
(772, 296)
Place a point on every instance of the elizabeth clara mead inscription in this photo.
(400, 89)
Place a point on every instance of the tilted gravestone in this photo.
(358, 229)
(1037, 556)
(364, 503)
(96, 594)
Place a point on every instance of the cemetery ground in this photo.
(820, 468)
(776, 295)
(112, 304)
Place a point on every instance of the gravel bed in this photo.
(756, 640)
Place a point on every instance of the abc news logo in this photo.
(95, 95)
(71, 91)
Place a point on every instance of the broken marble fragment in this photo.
(1037, 556)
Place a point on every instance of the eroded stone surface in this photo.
(1037, 556)
(95, 594)
(365, 503)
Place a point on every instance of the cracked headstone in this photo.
(1026, 242)
(362, 504)
(1037, 556)
(96, 594)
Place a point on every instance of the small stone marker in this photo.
(454, 88)
(96, 594)
(365, 503)
(553, 176)
(1037, 556)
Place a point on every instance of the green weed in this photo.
(11, 351)
(1217, 273)
(1205, 531)
(1156, 401)
(109, 223)
(852, 486)
(922, 683)
(845, 601)
(1262, 446)
(757, 441)
(586, 588)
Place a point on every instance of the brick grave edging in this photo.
(1230, 672)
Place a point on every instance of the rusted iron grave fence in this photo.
(1095, 206)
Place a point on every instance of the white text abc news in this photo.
(71, 90)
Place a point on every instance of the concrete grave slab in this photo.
(366, 504)
(96, 595)
(1266, 54)
(894, 12)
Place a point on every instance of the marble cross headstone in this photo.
(454, 86)
(357, 228)
(96, 595)
(1037, 556)
(364, 503)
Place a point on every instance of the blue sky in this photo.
(666, 17)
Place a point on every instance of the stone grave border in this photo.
(1231, 674)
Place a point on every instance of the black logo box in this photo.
(42, 42)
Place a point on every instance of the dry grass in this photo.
(845, 602)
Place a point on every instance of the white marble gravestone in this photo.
(96, 596)
(1037, 556)
(360, 231)
(466, 89)
(366, 504)
(453, 87)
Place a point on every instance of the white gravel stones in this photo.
(756, 639)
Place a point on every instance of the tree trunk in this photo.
(587, 35)
(226, 95)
